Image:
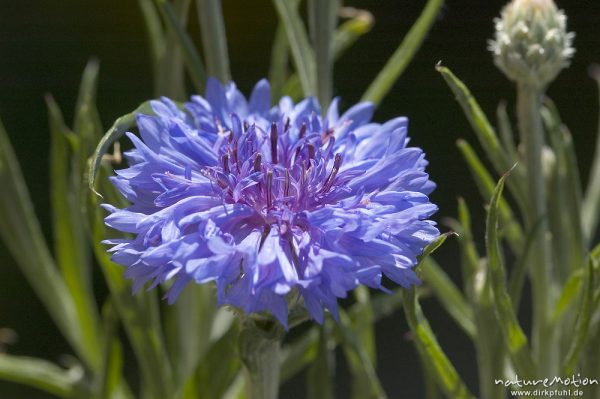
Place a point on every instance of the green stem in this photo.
(259, 345)
(532, 137)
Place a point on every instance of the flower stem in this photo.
(532, 137)
(259, 343)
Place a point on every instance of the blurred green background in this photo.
(44, 46)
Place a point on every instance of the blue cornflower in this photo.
(271, 203)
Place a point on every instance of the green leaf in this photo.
(507, 136)
(514, 337)
(298, 354)
(278, 69)
(366, 384)
(322, 20)
(321, 371)
(70, 244)
(110, 382)
(485, 184)
(44, 376)
(584, 316)
(118, 129)
(398, 62)
(219, 367)
(449, 296)
(22, 234)
(302, 53)
(188, 328)
(431, 354)
(155, 36)
(363, 321)
(590, 211)
(484, 132)
(564, 197)
(214, 40)
(192, 59)
(490, 355)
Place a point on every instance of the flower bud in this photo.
(531, 43)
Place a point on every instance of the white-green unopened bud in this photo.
(531, 44)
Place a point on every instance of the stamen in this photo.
(274, 142)
(246, 126)
(225, 162)
(257, 162)
(327, 135)
(302, 130)
(269, 189)
(234, 155)
(286, 185)
(311, 151)
(287, 125)
(336, 166)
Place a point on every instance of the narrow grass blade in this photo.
(565, 200)
(188, 324)
(155, 35)
(430, 352)
(484, 131)
(44, 376)
(514, 337)
(590, 212)
(169, 77)
(320, 372)
(22, 235)
(398, 62)
(218, 369)
(584, 316)
(192, 59)
(485, 184)
(361, 22)
(449, 296)
(118, 129)
(363, 321)
(214, 39)
(302, 53)
(70, 244)
(278, 69)
(366, 384)
(322, 20)
(490, 355)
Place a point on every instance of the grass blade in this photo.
(192, 59)
(431, 354)
(485, 132)
(71, 246)
(485, 183)
(44, 376)
(22, 234)
(583, 320)
(590, 211)
(320, 372)
(214, 40)
(514, 337)
(322, 20)
(302, 53)
(404, 53)
(449, 296)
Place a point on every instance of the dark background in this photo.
(44, 46)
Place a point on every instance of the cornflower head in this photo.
(279, 206)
